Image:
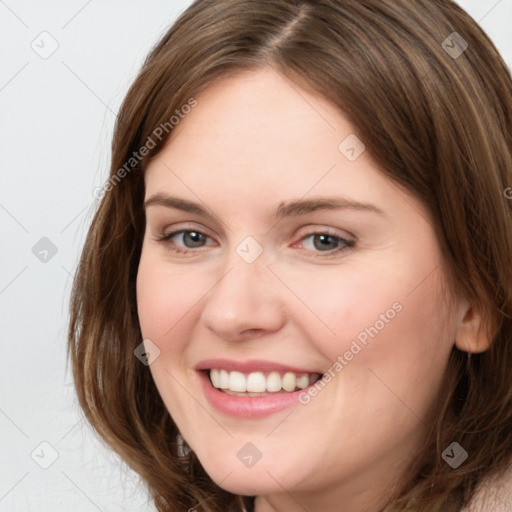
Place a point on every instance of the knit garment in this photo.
(493, 495)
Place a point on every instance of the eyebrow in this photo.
(285, 209)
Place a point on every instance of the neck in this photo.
(357, 494)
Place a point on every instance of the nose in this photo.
(245, 302)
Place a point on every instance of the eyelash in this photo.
(345, 244)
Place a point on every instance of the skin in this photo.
(254, 141)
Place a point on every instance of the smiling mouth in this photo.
(260, 383)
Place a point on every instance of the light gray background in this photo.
(56, 122)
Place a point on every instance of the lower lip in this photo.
(247, 406)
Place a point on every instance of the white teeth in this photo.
(237, 382)
(274, 382)
(303, 381)
(259, 382)
(214, 377)
(289, 381)
(223, 379)
(256, 382)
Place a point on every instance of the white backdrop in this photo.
(65, 67)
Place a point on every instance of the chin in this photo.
(247, 484)
(262, 478)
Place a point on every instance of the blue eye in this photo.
(190, 239)
(322, 243)
(326, 243)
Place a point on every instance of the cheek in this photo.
(164, 297)
(384, 328)
(399, 367)
(341, 304)
(165, 303)
(363, 300)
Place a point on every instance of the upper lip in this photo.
(249, 366)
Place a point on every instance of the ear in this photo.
(472, 335)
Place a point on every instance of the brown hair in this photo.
(438, 124)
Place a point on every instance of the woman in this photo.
(296, 293)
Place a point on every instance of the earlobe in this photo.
(472, 336)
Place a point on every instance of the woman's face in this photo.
(292, 256)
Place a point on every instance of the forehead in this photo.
(259, 128)
(255, 140)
